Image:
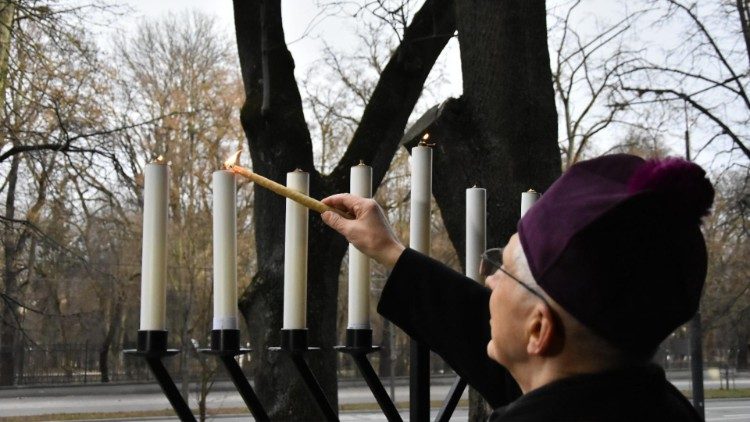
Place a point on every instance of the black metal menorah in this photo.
(225, 345)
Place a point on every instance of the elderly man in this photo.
(603, 267)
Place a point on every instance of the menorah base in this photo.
(152, 346)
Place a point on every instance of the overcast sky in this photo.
(298, 16)
(339, 32)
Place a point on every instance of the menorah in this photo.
(225, 336)
(225, 345)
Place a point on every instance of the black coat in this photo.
(450, 313)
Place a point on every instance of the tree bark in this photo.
(279, 141)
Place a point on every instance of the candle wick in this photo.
(424, 143)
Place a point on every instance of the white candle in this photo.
(527, 200)
(421, 193)
(476, 230)
(360, 184)
(225, 250)
(295, 255)
(154, 258)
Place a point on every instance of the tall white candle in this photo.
(225, 250)
(295, 255)
(154, 258)
(421, 193)
(476, 230)
(527, 200)
(360, 184)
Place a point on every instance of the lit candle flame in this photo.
(159, 159)
(233, 160)
(424, 142)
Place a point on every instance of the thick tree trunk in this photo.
(279, 142)
(8, 327)
(502, 133)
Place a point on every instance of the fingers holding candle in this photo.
(369, 231)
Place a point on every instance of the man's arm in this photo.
(429, 301)
(450, 313)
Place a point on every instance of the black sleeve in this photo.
(450, 313)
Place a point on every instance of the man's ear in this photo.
(542, 331)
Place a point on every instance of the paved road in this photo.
(716, 411)
(125, 398)
(87, 401)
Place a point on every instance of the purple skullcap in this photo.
(616, 242)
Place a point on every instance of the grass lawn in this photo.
(736, 393)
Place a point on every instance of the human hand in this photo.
(369, 231)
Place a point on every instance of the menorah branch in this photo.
(152, 346)
(294, 343)
(225, 344)
(359, 345)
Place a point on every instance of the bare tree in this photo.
(48, 97)
(706, 70)
(584, 74)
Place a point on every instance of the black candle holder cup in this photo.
(225, 345)
(152, 346)
(294, 343)
(359, 345)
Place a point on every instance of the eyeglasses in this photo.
(492, 261)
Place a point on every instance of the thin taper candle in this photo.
(299, 197)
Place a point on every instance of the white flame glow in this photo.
(233, 160)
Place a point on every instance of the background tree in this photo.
(52, 103)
